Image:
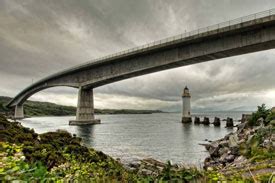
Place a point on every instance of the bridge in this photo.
(244, 35)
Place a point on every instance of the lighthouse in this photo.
(186, 106)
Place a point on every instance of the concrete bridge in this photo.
(244, 35)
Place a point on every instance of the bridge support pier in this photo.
(19, 112)
(85, 109)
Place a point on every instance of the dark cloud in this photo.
(39, 37)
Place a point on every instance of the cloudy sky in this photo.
(41, 37)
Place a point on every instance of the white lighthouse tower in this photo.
(186, 106)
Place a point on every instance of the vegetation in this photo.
(263, 113)
(255, 149)
(59, 156)
(34, 108)
(259, 146)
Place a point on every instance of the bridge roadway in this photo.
(236, 37)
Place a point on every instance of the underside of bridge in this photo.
(245, 37)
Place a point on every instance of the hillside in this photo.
(34, 108)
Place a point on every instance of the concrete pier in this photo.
(229, 122)
(19, 112)
(206, 121)
(197, 120)
(85, 109)
(217, 121)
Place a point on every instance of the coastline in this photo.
(150, 169)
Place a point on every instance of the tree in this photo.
(262, 112)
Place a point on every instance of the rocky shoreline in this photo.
(246, 154)
(248, 151)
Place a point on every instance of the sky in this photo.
(42, 37)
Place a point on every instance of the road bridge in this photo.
(244, 35)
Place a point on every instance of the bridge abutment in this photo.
(85, 109)
(19, 112)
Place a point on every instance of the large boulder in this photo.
(230, 158)
(241, 127)
(233, 140)
(214, 149)
(223, 151)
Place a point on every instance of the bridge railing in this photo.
(191, 33)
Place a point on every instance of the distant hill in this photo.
(34, 108)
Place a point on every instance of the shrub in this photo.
(262, 112)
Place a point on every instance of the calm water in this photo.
(131, 137)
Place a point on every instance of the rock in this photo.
(241, 141)
(230, 158)
(206, 121)
(217, 121)
(260, 121)
(153, 162)
(197, 120)
(239, 161)
(135, 164)
(207, 160)
(234, 150)
(226, 137)
(266, 143)
(229, 122)
(241, 127)
(214, 150)
(233, 140)
(224, 143)
(223, 151)
(222, 158)
(145, 172)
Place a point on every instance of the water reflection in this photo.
(87, 133)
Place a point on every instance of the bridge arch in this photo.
(25, 94)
